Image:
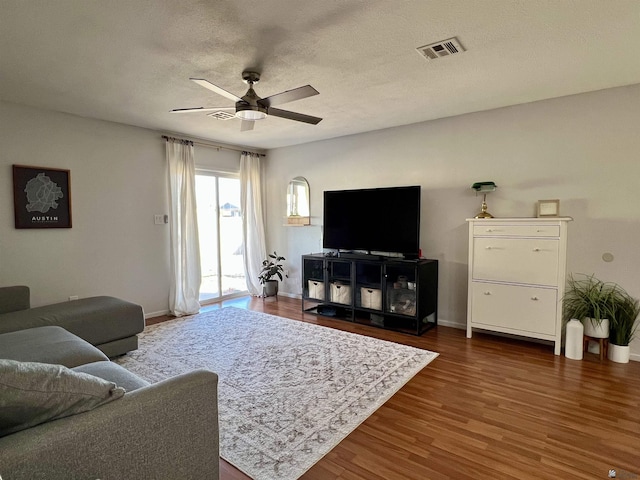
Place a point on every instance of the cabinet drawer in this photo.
(520, 260)
(528, 309)
(517, 230)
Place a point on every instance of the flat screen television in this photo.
(383, 220)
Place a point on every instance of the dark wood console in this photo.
(388, 293)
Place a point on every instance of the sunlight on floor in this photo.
(240, 302)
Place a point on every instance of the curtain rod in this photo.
(219, 147)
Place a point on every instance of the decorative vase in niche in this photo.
(573, 342)
(596, 329)
(618, 353)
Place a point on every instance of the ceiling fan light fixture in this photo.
(251, 112)
(250, 107)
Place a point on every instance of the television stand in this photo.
(385, 292)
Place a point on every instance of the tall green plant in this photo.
(588, 297)
(623, 315)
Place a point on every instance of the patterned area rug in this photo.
(289, 391)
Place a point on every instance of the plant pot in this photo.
(270, 288)
(596, 330)
(618, 353)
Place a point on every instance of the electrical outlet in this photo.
(158, 219)
(73, 297)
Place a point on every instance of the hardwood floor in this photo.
(487, 408)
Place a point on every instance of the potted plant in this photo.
(590, 300)
(623, 314)
(271, 268)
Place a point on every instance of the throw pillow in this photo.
(33, 393)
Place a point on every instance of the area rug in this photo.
(289, 391)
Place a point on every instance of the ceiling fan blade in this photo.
(247, 125)
(214, 88)
(200, 109)
(299, 117)
(289, 96)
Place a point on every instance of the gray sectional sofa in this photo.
(109, 323)
(67, 412)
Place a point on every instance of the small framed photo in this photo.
(41, 197)
(548, 208)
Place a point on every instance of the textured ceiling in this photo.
(129, 61)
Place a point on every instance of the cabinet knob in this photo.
(487, 293)
(488, 247)
(534, 298)
(536, 249)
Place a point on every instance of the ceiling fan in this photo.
(251, 107)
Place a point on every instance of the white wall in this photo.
(117, 184)
(581, 149)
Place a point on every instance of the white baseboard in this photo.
(446, 323)
(290, 295)
(156, 314)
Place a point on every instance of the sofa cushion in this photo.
(95, 319)
(13, 299)
(34, 393)
(48, 345)
(113, 372)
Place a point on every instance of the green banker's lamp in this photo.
(484, 188)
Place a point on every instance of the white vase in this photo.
(618, 353)
(573, 342)
(594, 329)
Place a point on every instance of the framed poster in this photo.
(41, 197)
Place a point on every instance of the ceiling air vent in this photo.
(441, 49)
(221, 115)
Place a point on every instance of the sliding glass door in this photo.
(220, 230)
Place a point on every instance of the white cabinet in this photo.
(517, 269)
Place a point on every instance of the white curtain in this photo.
(255, 250)
(184, 289)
